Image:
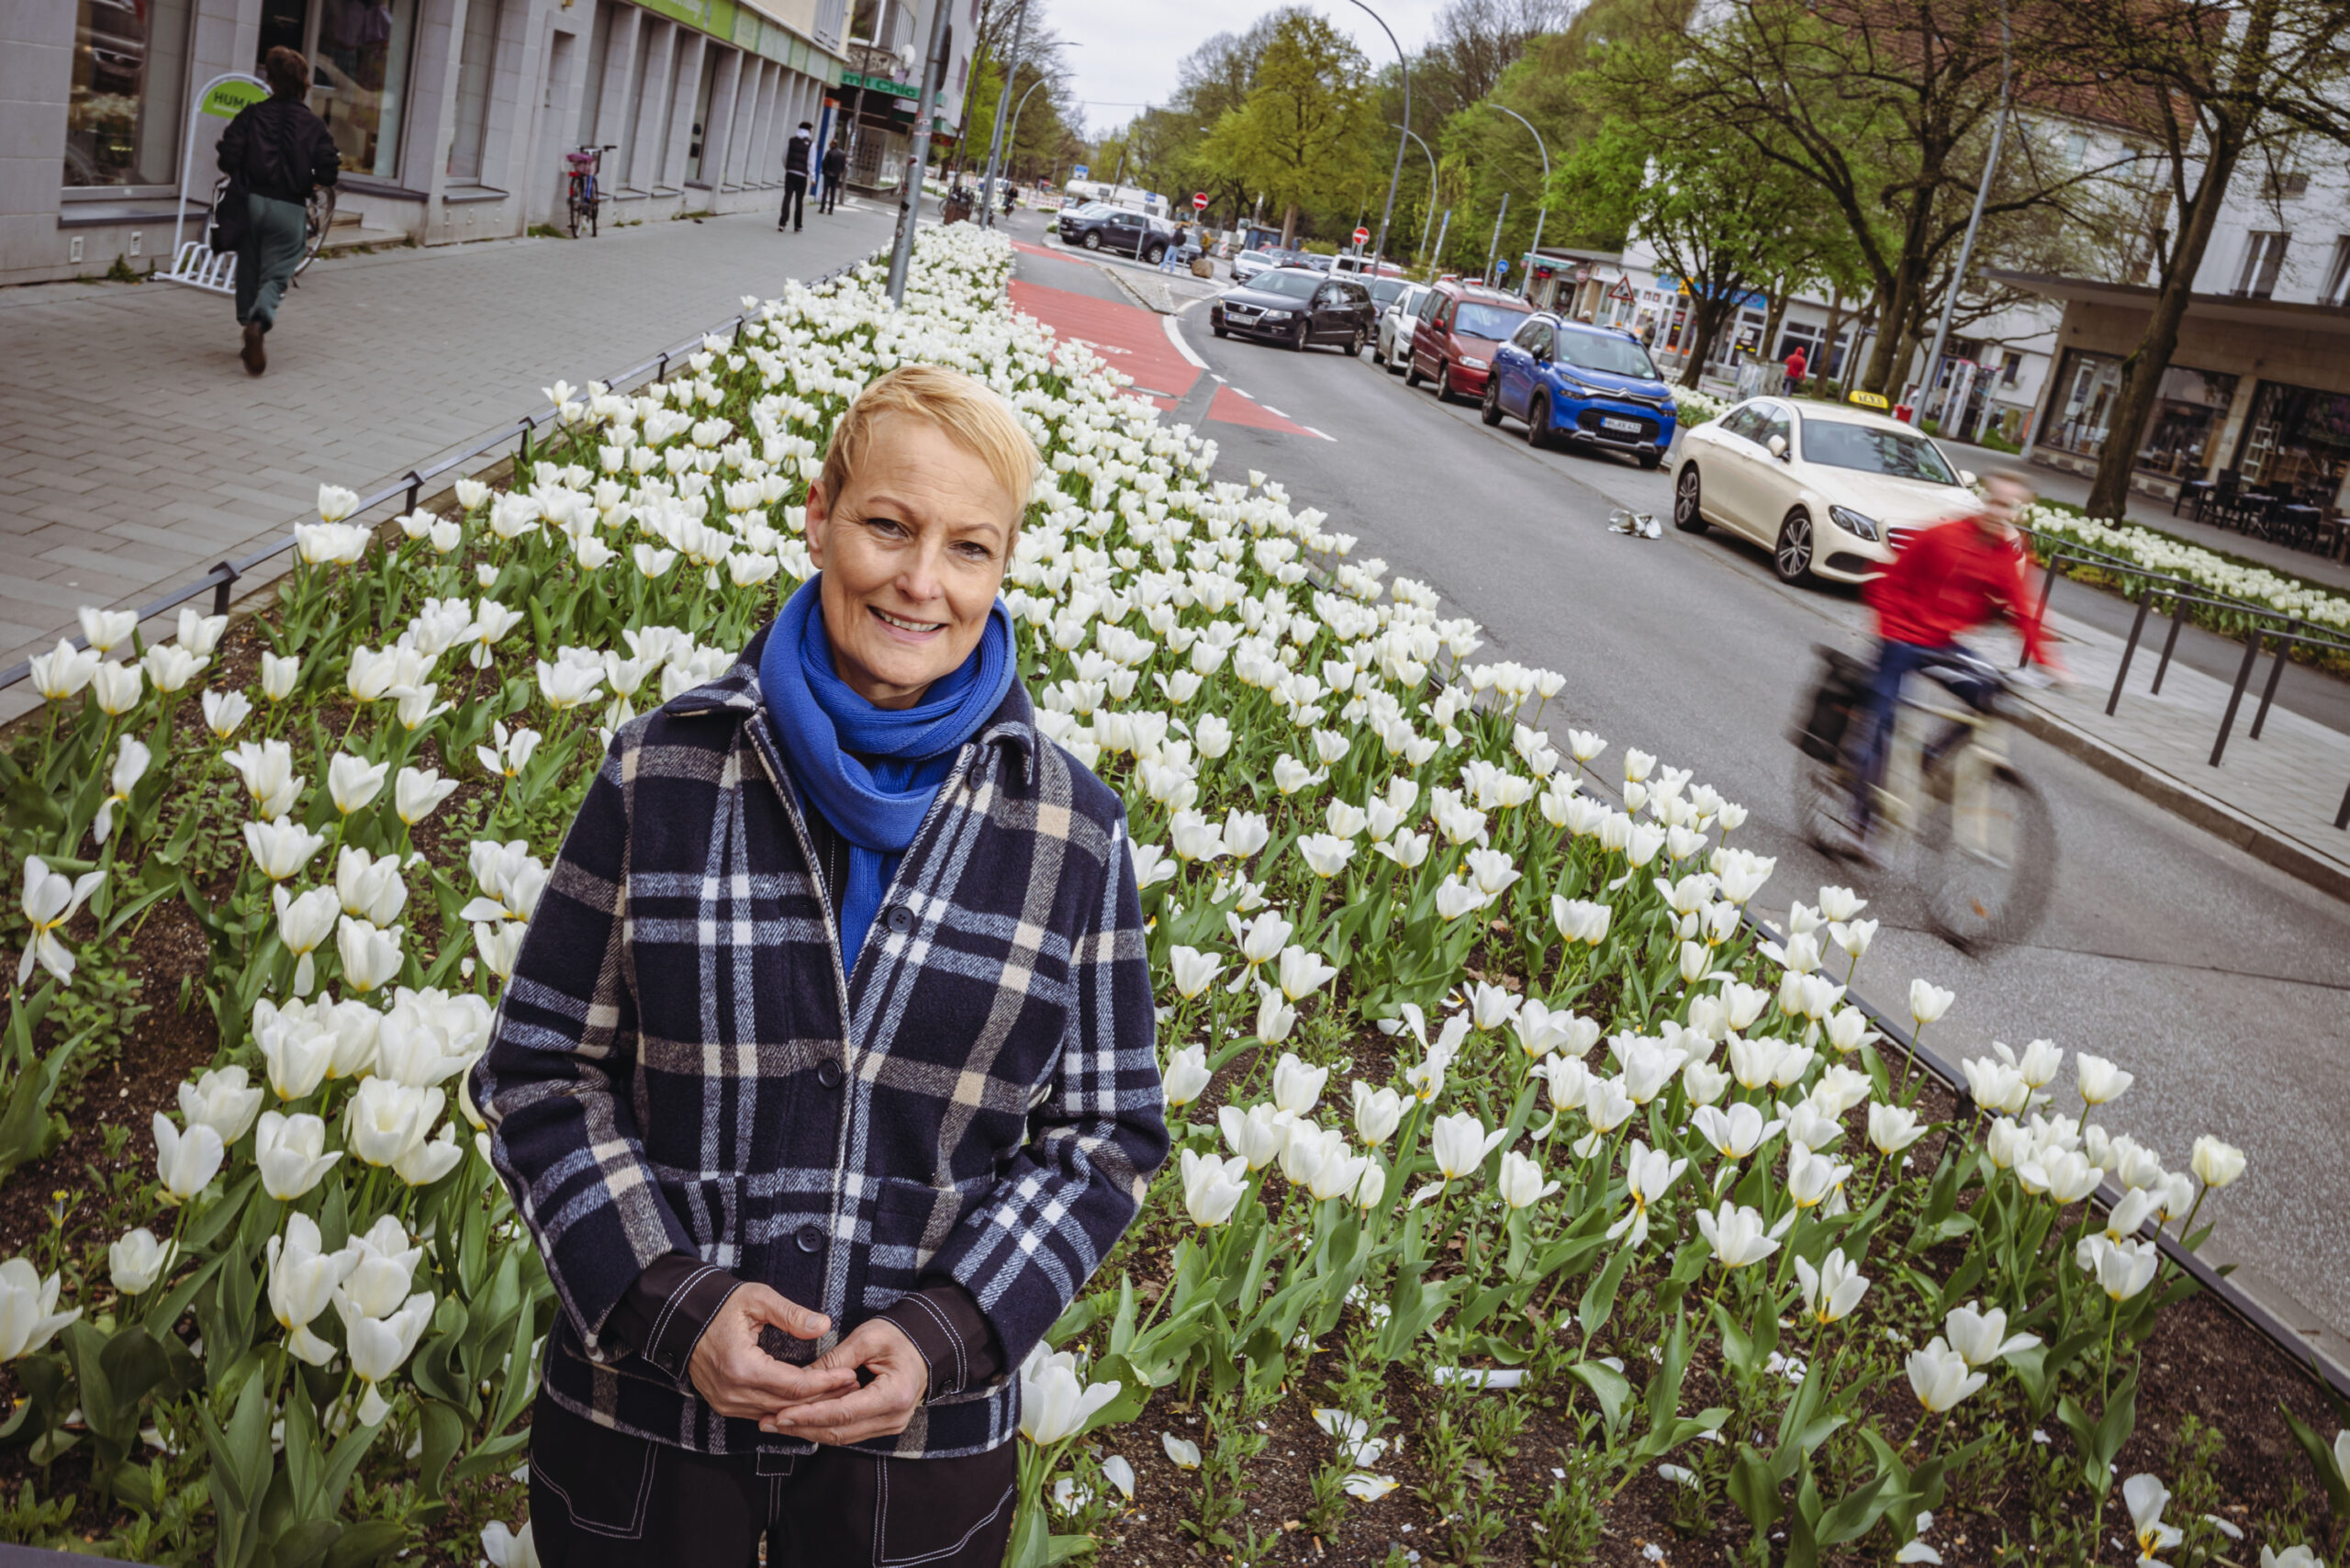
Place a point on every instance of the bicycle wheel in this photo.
(1988, 884)
(319, 219)
(571, 208)
(1824, 806)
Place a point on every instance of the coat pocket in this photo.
(944, 1511)
(603, 1479)
(909, 1220)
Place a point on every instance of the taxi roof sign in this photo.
(1867, 399)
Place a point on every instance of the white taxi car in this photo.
(1831, 489)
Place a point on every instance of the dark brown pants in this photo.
(602, 1500)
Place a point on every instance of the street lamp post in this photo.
(1543, 207)
(1974, 220)
(934, 72)
(1430, 219)
(1002, 100)
(1379, 247)
(1014, 139)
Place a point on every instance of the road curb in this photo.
(2184, 801)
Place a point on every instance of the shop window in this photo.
(2083, 407)
(2264, 258)
(2297, 443)
(128, 93)
(360, 52)
(476, 72)
(2189, 406)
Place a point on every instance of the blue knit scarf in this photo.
(871, 772)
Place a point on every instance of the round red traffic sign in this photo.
(1363, 236)
(1199, 201)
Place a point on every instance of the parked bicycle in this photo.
(584, 198)
(1976, 835)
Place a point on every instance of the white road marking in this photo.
(1217, 379)
(1175, 336)
(1311, 431)
(1271, 409)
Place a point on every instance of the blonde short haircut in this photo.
(963, 407)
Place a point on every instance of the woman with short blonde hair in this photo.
(825, 1077)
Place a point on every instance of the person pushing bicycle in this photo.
(1951, 579)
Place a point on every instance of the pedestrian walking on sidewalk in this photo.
(1174, 259)
(806, 1222)
(835, 170)
(276, 153)
(1796, 368)
(796, 156)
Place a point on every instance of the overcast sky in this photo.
(1126, 49)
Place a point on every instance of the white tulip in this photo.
(1378, 1112)
(1212, 1188)
(223, 1100)
(1460, 1143)
(279, 676)
(2100, 1081)
(61, 673)
(385, 1120)
(1521, 1185)
(185, 1161)
(378, 1345)
(353, 781)
(171, 668)
(1982, 1338)
(1929, 1003)
(1182, 1452)
(1296, 1086)
(136, 1261)
(369, 956)
(1939, 1377)
(507, 1548)
(1186, 1076)
(115, 687)
(1302, 973)
(282, 848)
(50, 902)
(224, 711)
(290, 1151)
(2218, 1164)
(1893, 1128)
(1256, 1134)
(2121, 1269)
(419, 792)
(1056, 1402)
(1738, 1236)
(28, 1314)
(1832, 1290)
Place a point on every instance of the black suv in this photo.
(1297, 306)
(1099, 227)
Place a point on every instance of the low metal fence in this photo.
(2281, 631)
(408, 488)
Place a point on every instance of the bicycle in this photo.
(1983, 841)
(583, 197)
(318, 218)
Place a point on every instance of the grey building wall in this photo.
(537, 88)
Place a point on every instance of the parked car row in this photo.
(1297, 307)
(1098, 226)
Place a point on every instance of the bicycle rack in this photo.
(197, 266)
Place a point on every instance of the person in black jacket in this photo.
(835, 172)
(796, 157)
(274, 153)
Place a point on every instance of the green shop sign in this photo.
(879, 85)
(739, 25)
(228, 99)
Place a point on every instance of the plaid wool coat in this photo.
(679, 1065)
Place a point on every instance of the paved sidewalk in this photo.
(135, 453)
(2274, 797)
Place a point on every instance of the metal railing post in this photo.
(220, 588)
(2276, 671)
(2040, 611)
(2342, 817)
(415, 489)
(2137, 626)
(2170, 642)
(2235, 698)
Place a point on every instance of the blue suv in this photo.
(1575, 383)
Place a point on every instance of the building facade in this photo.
(2259, 383)
(453, 116)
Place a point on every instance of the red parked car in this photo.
(1460, 325)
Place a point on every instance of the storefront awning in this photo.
(2275, 314)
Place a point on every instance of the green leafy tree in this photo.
(1304, 131)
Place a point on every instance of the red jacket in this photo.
(1796, 365)
(1952, 578)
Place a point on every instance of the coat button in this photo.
(902, 919)
(979, 773)
(812, 1240)
(828, 1074)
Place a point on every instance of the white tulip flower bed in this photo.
(1513, 1114)
(2174, 557)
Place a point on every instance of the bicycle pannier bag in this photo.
(1826, 715)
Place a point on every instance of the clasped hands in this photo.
(823, 1402)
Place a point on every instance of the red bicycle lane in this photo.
(1137, 341)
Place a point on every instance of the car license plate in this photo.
(1630, 426)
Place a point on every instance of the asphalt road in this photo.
(2222, 985)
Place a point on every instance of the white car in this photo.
(1832, 489)
(1392, 346)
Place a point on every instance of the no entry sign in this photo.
(1199, 201)
(1363, 236)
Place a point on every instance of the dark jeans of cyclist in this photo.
(795, 201)
(1896, 662)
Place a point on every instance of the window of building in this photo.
(128, 93)
(2337, 276)
(600, 48)
(2264, 258)
(2010, 367)
(360, 52)
(476, 67)
(2189, 406)
(2297, 443)
(2076, 149)
(2083, 407)
(710, 54)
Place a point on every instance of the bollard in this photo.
(2268, 692)
(2137, 627)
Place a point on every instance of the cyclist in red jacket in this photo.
(1953, 576)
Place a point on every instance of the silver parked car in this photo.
(1248, 264)
(1392, 347)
